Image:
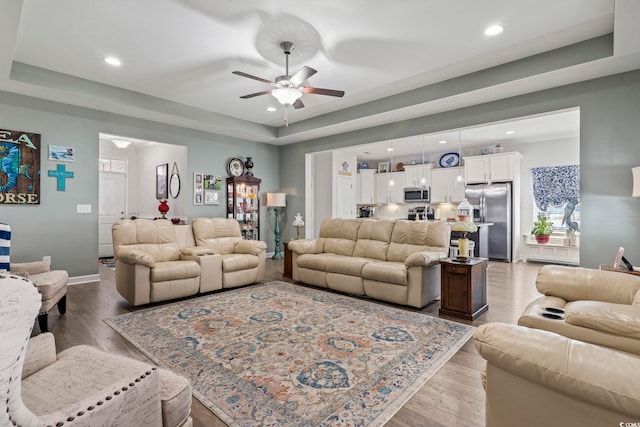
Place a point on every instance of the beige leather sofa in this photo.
(158, 261)
(596, 306)
(537, 378)
(390, 260)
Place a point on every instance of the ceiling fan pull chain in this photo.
(286, 116)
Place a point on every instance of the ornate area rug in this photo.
(280, 354)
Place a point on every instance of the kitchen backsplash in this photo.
(441, 210)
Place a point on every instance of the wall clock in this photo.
(235, 167)
(449, 160)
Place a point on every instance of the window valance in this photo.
(556, 185)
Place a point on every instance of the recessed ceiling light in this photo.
(390, 149)
(493, 30)
(112, 60)
(271, 109)
(442, 141)
(510, 132)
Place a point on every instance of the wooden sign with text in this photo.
(19, 168)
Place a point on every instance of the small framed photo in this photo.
(211, 197)
(197, 188)
(61, 153)
(162, 181)
(383, 167)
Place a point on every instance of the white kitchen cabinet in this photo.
(445, 187)
(390, 187)
(366, 186)
(418, 175)
(492, 168)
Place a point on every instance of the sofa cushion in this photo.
(385, 271)
(416, 236)
(50, 283)
(174, 270)
(315, 261)
(351, 266)
(237, 262)
(220, 234)
(340, 235)
(373, 238)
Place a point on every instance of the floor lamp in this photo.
(277, 201)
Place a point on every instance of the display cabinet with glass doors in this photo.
(243, 204)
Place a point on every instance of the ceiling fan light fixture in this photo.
(286, 95)
(121, 143)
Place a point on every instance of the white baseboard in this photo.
(77, 280)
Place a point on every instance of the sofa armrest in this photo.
(187, 253)
(579, 283)
(570, 367)
(252, 247)
(135, 256)
(617, 319)
(306, 246)
(41, 352)
(424, 259)
(34, 267)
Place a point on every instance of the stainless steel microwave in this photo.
(416, 194)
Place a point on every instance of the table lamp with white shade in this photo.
(277, 201)
(298, 223)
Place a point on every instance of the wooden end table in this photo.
(288, 266)
(464, 288)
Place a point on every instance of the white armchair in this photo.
(80, 386)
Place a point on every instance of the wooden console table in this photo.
(464, 288)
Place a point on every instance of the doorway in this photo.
(112, 202)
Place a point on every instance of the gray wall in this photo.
(609, 148)
(54, 228)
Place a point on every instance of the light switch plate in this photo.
(84, 208)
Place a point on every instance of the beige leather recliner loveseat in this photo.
(389, 260)
(596, 306)
(158, 261)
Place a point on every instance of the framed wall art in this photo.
(197, 188)
(19, 167)
(61, 153)
(162, 181)
(383, 167)
(211, 197)
(212, 182)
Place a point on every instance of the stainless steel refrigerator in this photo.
(493, 203)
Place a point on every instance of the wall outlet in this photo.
(47, 259)
(83, 208)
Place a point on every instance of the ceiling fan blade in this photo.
(249, 76)
(302, 75)
(319, 91)
(298, 104)
(251, 95)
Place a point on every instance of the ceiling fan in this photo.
(288, 89)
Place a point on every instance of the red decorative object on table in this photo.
(163, 208)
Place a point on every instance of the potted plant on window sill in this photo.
(542, 229)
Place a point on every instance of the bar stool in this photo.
(453, 248)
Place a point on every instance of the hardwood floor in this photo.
(452, 397)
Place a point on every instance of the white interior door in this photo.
(345, 201)
(111, 207)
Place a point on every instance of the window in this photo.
(112, 165)
(555, 214)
